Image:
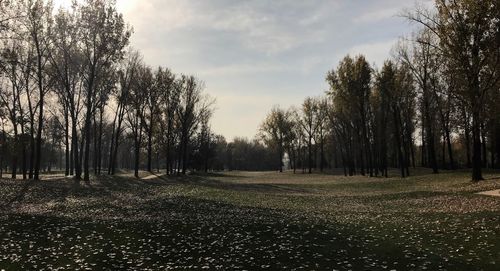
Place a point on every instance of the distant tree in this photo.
(310, 123)
(322, 123)
(192, 108)
(275, 130)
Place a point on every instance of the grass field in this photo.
(251, 220)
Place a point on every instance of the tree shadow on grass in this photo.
(195, 233)
(208, 182)
(16, 197)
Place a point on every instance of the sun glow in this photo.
(123, 6)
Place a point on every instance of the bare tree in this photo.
(104, 36)
(275, 131)
(468, 38)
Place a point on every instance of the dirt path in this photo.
(495, 193)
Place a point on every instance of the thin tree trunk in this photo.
(309, 156)
(99, 143)
(397, 136)
(66, 142)
(483, 144)
(467, 137)
(76, 152)
(150, 145)
(476, 147)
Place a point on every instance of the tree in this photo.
(170, 89)
(275, 130)
(37, 21)
(137, 106)
(127, 75)
(104, 36)
(469, 40)
(350, 91)
(422, 64)
(66, 61)
(310, 124)
(193, 106)
(152, 111)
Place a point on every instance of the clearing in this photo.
(251, 220)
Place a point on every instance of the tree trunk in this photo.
(137, 139)
(66, 142)
(38, 150)
(111, 144)
(88, 119)
(483, 144)
(184, 155)
(168, 158)
(94, 137)
(397, 137)
(322, 154)
(450, 150)
(497, 144)
(99, 143)
(76, 153)
(150, 144)
(309, 156)
(476, 146)
(467, 136)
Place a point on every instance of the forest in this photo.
(76, 97)
(435, 103)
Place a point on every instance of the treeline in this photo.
(74, 95)
(435, 104)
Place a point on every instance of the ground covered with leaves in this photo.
(249, 221)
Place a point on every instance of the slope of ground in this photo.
(251, 220)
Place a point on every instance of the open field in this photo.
(252, 220)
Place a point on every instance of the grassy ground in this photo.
(249, 220)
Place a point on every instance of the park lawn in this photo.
(252, 220)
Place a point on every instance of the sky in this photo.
(253, 55)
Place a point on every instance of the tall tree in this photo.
(104, 35)
(469, 38)
(127, 75)
(192, 107)
(421, 61)
(66, 66)
(275, 131)
(310, 124)
(37, 20)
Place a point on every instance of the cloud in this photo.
(270, 28)
(255, 54)
(244, 69)
(377, 15)
(375, 52)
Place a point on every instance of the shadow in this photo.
(188, 231)
(216, 175)
(401, 195)
(20, 195)
(204, 181)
